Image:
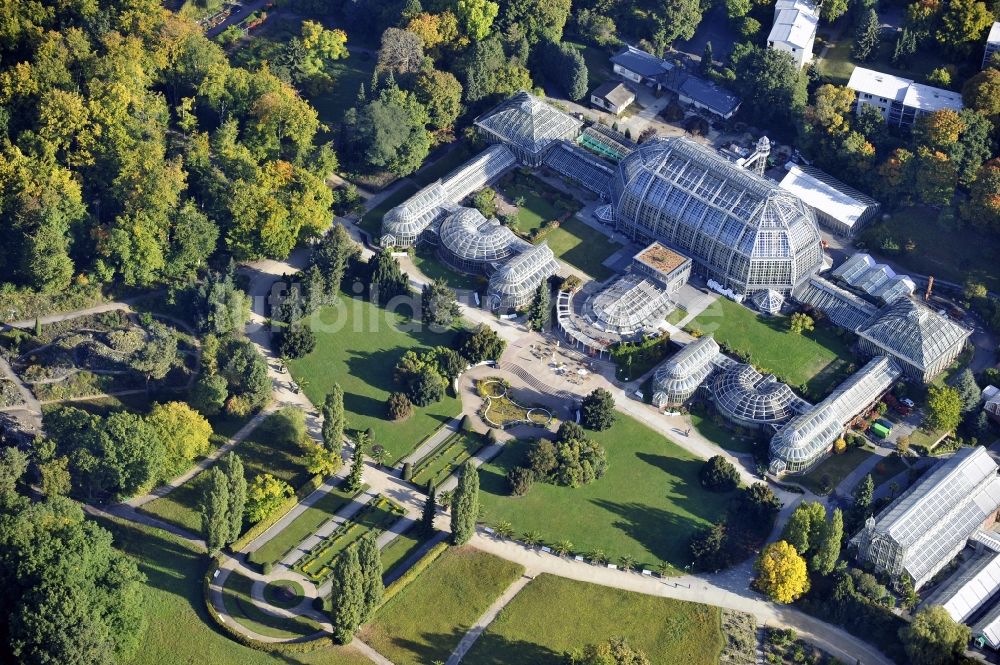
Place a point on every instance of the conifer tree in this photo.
(465, 505)
(333, 418)
(214, 511)
(370, 560)
(430, 509)
(866, 37)
(347, 596)
(236, 480)
(354, 478)
(540, 311)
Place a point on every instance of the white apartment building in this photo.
(992, 44)
(794, 29)
(899, 100)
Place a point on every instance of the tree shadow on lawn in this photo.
(493, 649)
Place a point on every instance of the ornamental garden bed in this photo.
(449, 455)
(500, 411)
(378, 515)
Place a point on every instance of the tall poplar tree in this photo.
(465, 505)
(370, 560)
(333, 418)
(430, 509)
(828, 550)
(236, 478)
(347, 595)
(215, 525)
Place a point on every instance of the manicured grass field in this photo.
(179, 630)
(647, 505)
(358, 348)
(371, 221)
(448, 456)
(376, 516)
(817, 359)
(941, 251)
(721, 436)
(554, 615)
(429, 264)
(835, 468)
(537, 208)
(583, 247)
(402, 547)
(260, 452)
(425, 622)
(311, 519)
(890, 467)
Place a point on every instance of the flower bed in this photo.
(501, 411)
(450, 455)
(377, 515)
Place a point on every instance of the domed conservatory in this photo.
(741, 230)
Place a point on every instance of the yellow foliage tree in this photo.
(183, 432)
(781, 573)
(839, 446)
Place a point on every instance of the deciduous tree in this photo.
(264, 496)
(232, 466)
(215, 526)
(370, 560)
(781, 573)
(933, 637)
(598, 410)
(347, 595)
(944, 408)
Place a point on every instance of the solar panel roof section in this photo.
(970, 588)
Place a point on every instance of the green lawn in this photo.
(554, 615)
(179, 630)
(838, 65)
(425, 622)
(260, 452)
(439, 464)
(647, 505)
(833, 469)
(301, 527)
(583, 247)
(402, 547)
(890, 467)
(441, 167)
(946, 253)
(371, 221)
(817, 360)
(237, 599)
(538, 207)
(720, 435)
(429, 264)
(358, 348)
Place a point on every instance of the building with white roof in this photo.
(900, 100)
(970, 588)
(930, 523)
(839, 208)
(992, 44)
(794, 29)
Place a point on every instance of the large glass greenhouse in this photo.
(403, 225)
(842, 307)
(742, 231)
(929, 525)
(677, 379)
(528, 126)
(512, 286)
(631, 304)
(750, 399)
(470, 243)
(804, 439)
(921, 340)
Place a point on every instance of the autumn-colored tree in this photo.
(982, 93)
(984, 204)
(476, 17)
(858, 153)
(781, 573)
(938, 130)
(434, 29)
(895, 174)
(934, 176)
(831, 108)
(962, 24)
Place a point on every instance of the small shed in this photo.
(612, 96)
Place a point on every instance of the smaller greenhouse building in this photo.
(679, 377)
(805, 439)
(472, 244)
(750, 399)
(874, 279)
(528, 127)
(513, 285)
(931, 522)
